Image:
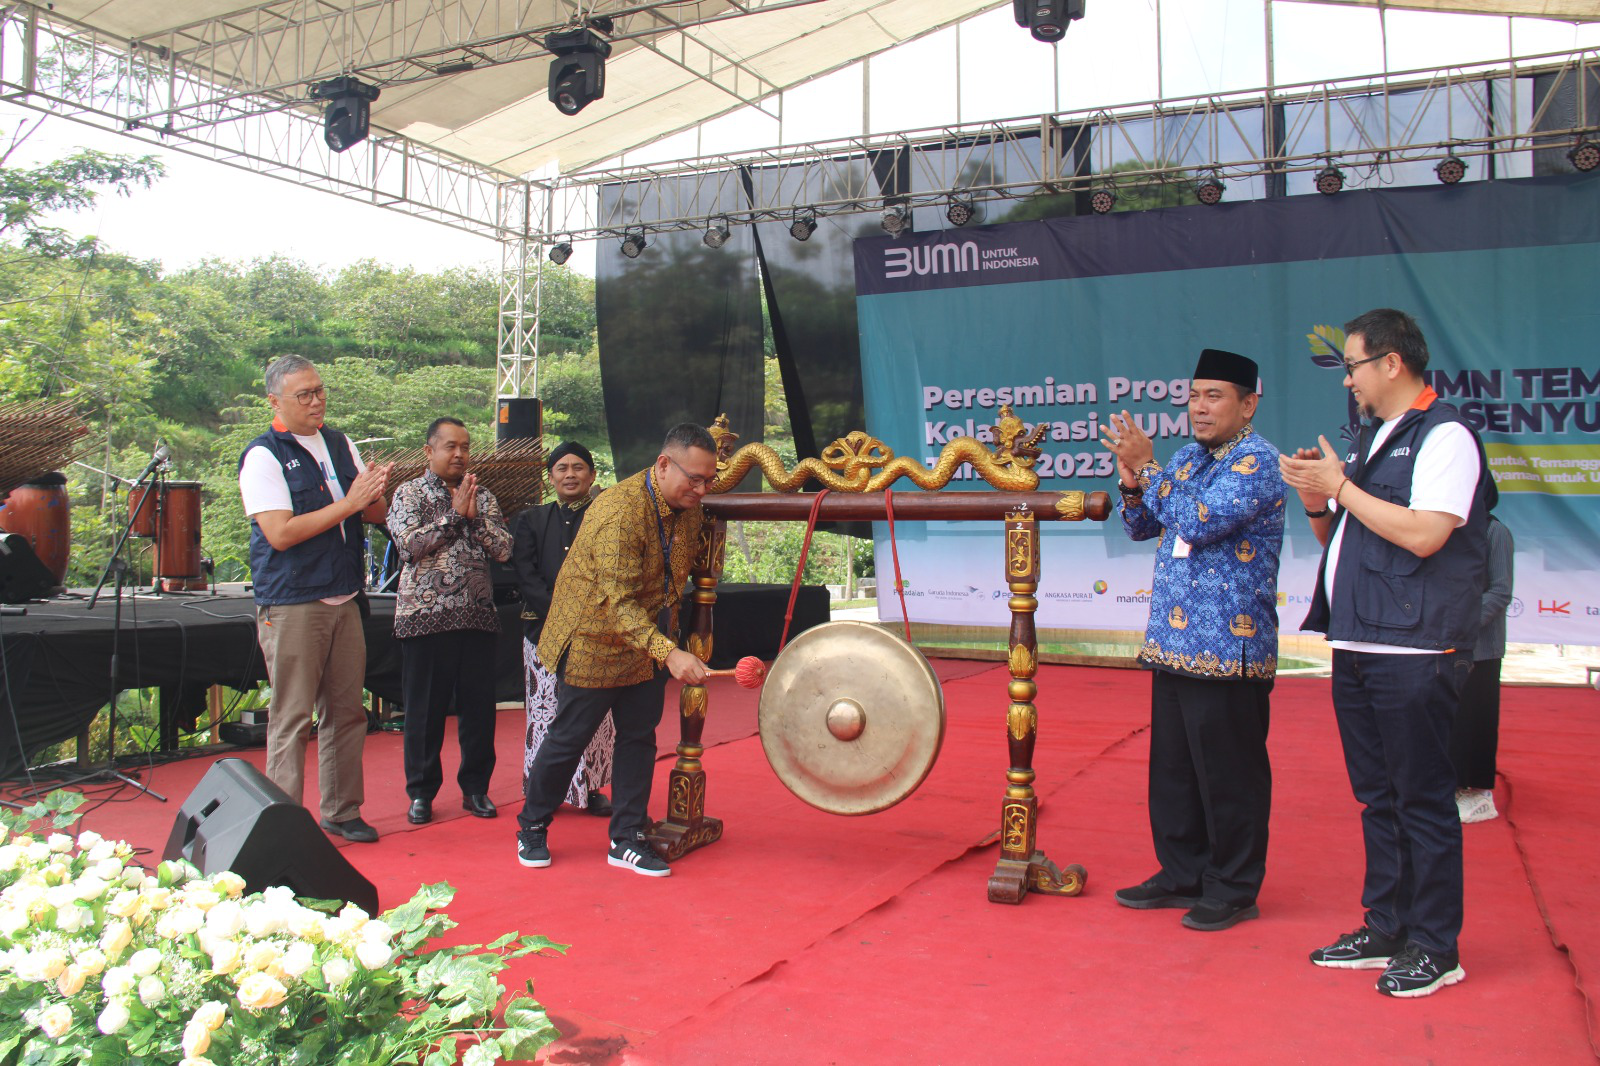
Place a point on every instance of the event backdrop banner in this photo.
(1069, 320)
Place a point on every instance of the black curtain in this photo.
(680, 330)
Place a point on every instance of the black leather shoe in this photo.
(480, 806)
(1209, 916)
(421, 812)
(598, 805)
(352, 829)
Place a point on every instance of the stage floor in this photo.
(803, 937)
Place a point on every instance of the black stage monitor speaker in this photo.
(237, 820)
(22, 576)
(518, 418)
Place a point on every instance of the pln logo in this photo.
(1515, 608)
(1100, 588)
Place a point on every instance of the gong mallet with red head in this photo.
(750, 672)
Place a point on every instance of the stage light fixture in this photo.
(633, 244)
(578, 72)
(1209, 190)
(1330, 180)
(803, 225)
(1585, 156)
(896, 217)
(349, 106)
(1451, 169)
(717, 233)
(1103, 200)
(1047, 20)
(961, 211)
(560, 252)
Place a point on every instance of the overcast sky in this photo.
(203, 209)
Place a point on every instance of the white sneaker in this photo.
(1476, 805)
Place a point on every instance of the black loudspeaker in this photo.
(237, 820)
(518, 418)
(22, 576)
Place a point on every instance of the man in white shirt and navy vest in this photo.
(1403, 522)
(307, 492)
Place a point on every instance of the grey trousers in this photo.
(316, 658)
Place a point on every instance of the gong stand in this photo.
(1021, 867)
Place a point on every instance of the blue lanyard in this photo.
(666, 542)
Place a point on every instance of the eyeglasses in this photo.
(307, 397)
(696, 481)
(1350, 368)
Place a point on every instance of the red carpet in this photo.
(803, 937)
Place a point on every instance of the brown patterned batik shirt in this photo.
(615, 583)
(444, 582)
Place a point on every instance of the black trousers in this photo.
(1394, 714)
(1210, 785)
(1475, 737)
(441, 673)
(635, 711)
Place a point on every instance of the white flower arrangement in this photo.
(102, 961)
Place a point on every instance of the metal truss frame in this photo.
(158, 91)
(275, 50)
(57, 67)
(1227, 135)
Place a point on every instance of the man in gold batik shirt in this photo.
(609, 638)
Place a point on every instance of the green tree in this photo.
(29, 194)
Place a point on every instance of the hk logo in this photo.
(1555, 607)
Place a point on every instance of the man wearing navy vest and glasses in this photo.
(307, 492)
(1403, 520)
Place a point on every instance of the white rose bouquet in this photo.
(103, 961)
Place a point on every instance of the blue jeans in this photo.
(1395, 714)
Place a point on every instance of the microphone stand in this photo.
(118, 566)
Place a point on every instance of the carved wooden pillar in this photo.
(1022, 866)
(686, 826)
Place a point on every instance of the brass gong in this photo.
(851, 717)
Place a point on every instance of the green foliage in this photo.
(29, 194)
(574, 406)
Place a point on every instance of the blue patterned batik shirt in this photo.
(1218, 514)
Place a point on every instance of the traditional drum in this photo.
(40, 511)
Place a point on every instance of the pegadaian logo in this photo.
(930, 259)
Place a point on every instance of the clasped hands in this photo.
(1131, 445)
(464, 497)
(369, 486)
(1317, 473)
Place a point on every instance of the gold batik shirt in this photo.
(615, 583)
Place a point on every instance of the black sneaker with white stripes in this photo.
(1364, 949)
(531, 847)
(1416, 971)
(636, 854)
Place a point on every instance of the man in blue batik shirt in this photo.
(1216, 513)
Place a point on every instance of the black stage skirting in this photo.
(55, 661)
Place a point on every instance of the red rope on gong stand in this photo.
(800, 571)
(894, 550)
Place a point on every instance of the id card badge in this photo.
(1180, 547)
